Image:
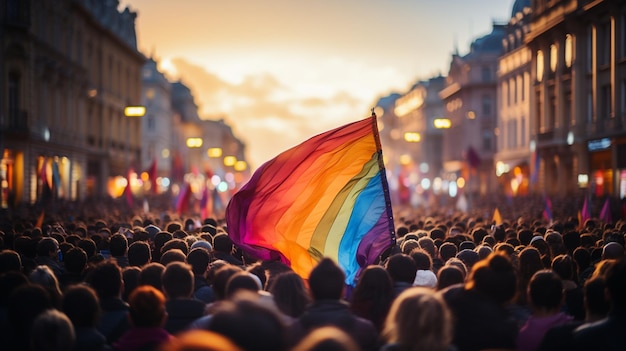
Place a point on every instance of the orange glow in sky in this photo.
(281, 71)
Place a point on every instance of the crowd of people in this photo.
(98, 277)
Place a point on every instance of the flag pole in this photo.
(383, 177)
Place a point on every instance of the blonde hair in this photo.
(418, 320)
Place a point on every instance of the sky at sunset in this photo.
(281, 71)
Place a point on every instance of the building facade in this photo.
(469, 98)
(417, 110)
(514, 162)
(578, 95)
(69, 68)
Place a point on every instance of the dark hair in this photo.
(565, 267)
(139, 254)
(118, 245)
(222, 275)
(175, 244)
(151, 275)
(173, 255)
(10, 261)
(422, 259)
(401, 268)
(241, 281)
(290, 293)
(89, 246)
(595, 297)
(222, 243)
(449, 275)
(75, 260)
(106, 279)
(178, 280)
(199, 259)
(447, 250)
(250, 325)
(130, 275)
(373, 295)
(616, 283)
(546, 290)
(494, 277)
(327, 280)
(81, 304)
(47, 245)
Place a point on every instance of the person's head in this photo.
(596, 304)
(428, 244)
(222, 243)
(545, 291)
(612, 250)
(43, 275)
(565, 267)
(106, 279)
(147, 307)
(48, 247)
(422, 259)
(220, 280)
(175, 244)
(173, 255)
(447, 250)
(52, 331)
(616, 284)
(75, 260)
(118, 245)
(449, 275)
(419, 319)
(327, 281)
(10, 261)
(81, 304)
(130, 276)
(25, 303)
(89, 246)
(249, 324)
(242, 281)
(139, 254)
(199, 259)
(151, 274)
(178, 280)
(494, 277)
(199, 340)
(290, 293)
(328, 338)
(401, 268)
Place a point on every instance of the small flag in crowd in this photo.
(327, 197)
(547, 210)
(497, 218)
(605, 213)
(182, 203)
(585, 213)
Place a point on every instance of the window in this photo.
(554, 57)
(604, 43)
(569, 53)
(590, 107)
(486, 74)
(151, 123)
(568, 109)
(486, 140)
(539, 66)
(522, 131)
(513, 90)
(605, 102)
(486, 102)
(505, 94)
(590, 40)
(14, 96)
(540, 115)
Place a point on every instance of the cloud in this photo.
(265, 113)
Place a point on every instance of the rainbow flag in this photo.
(327, 197)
